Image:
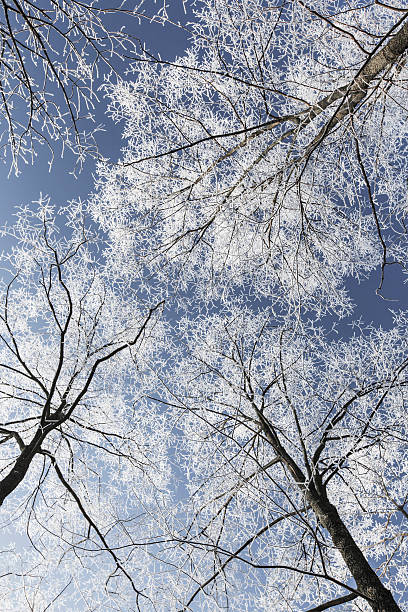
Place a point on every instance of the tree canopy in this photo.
(187, 425)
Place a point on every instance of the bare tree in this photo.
(265, 168)
(294, 449)
(72, 346)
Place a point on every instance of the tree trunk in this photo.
(20, 468)
(367, 581)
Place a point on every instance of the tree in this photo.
(73, 350)
(54, 57)
(264, 168)
(294, 447)
(275, 158)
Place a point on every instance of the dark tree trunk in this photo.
(367, 581)
(20, 468)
